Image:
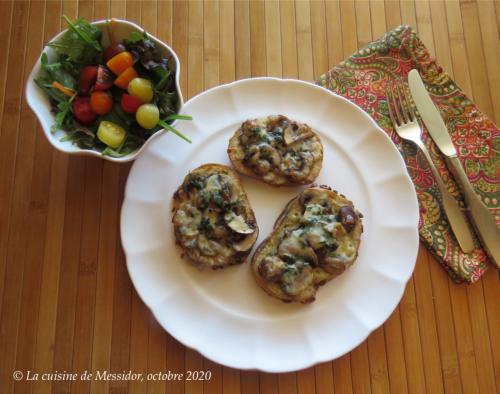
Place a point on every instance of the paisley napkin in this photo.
(363, 78)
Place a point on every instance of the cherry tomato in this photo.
(130, 103)
(88, 76)
(113, 50)
(119, 63)
(111, 134)
(141, 88)
(125, 77)
(101, 102)
(104, 79)
(83, 111)
(147, 116)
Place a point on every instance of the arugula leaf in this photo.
(64, 108)
(86, 31)
(81, 43)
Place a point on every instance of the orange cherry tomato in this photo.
(101, 102)
(125, 77)
(119, 63)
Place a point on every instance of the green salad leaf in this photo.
(135, 36)
(81, 43)
(64, 109)
(61, 71)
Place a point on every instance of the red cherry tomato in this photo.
(83, 111)
(113, 50)
(88, 76)
(130, 103)
(101, 102)
(104, 79)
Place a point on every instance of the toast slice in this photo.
(214, 223)
(277, 150)
(315, 239)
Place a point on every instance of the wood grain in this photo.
(66, 301)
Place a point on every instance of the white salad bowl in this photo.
(40, 103)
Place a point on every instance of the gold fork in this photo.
(406, 125)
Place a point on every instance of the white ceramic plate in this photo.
(224, 314)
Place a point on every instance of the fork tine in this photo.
(402, 103)
(411, 107)
(391, 103)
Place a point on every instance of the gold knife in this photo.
(484, 222)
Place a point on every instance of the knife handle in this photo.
(482, 219)
(456, 217)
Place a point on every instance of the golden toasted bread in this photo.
(213, 221)
(315, 239)
(277, 150)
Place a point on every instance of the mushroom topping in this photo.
(294, 246)
(187, 220)
(294, 133)
(347, 217)
(207, 246)
(297, 278)
(212, 183)
(246, 243)
(333, 265)
(272, 267)
(237, 223)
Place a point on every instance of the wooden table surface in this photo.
(66, 301)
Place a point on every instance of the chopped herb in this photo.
(205, 225)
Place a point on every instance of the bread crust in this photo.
(181, 198)
(271, 243)
(236, 152)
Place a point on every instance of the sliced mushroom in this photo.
(272, 267)
(293, 133)
(237, 223)
(333, 265)
(294, 246)
(316, 237)
(347, 217)
(269, 153)
(246, 243)
(207, 246)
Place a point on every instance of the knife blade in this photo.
(483, 221)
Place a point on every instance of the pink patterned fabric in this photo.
(363, 78)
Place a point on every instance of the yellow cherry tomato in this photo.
(111, 134)
(147, 116)
(141, 88)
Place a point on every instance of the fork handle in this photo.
(456, 217)
(484, 222)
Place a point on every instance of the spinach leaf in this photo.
(166, 102)
(135, 36)
(61, 72)
(45, 83)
